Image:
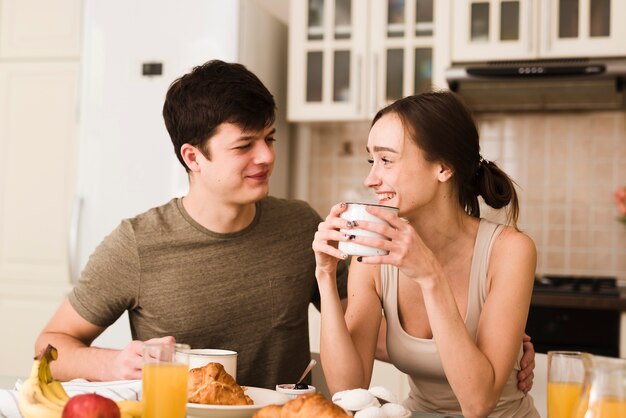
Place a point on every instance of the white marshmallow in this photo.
(394, 410)
(383, 393)
(370, 412)
(355, 399)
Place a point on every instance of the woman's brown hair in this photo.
(442, 126)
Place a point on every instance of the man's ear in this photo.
(190, 156)
(445, 172)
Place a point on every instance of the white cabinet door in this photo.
(327, 53)
(403, 49)
(349, 58)
(487, 30)
(583, 28)
(493, 30)
(38, 143)
(40, 28)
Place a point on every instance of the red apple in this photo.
(90, 405)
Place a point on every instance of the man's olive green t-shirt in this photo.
(247, 291)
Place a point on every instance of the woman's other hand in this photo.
(327, 255)
(405, 248)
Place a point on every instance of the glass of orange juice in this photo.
(603, 393)
(566, 373)
(164, 380)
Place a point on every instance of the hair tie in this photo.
(481, 162)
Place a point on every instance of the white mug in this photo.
(358, 212)
(199, 357)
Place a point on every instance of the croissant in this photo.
(211, 384)
(314, 405)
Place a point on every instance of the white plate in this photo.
(259, 396)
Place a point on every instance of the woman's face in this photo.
(400, 175)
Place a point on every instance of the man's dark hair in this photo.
(213, 93)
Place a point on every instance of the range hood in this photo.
(568, 84)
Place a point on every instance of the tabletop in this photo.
(7, 382)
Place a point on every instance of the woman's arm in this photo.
(478, 371)
(348, 341)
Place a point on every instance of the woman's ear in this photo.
(445, 173)
(190, 156)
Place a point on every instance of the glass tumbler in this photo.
(566, 372)
(164, 380)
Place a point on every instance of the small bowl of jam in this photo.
(295, 390)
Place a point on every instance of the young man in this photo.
(226, 266)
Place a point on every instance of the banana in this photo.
(40, 396)
(32, 401)
(43, 397)
(130, 409)
(50, 394)
(59, 391)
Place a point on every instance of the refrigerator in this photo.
(132, 50)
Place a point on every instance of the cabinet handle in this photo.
(74, 229)
(547, 26)
(531, 19)
(375, 89)
(359, 90)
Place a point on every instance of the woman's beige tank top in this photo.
(419, 358)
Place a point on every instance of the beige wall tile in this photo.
(579, 261)
(555, 260)
(601, 240)
(534, 214)
(556, 237)
(601, 263)
(579, 216)
(579, 239)
(556, 216)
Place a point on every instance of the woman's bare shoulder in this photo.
(511, 239)
(513, 257)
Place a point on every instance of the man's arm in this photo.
(72, 335)
(527, 363)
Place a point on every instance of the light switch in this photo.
(152, 69)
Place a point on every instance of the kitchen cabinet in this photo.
(40, 29)
(39, 78)
(347, 59)
(486, 30)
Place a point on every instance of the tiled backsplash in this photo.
(567, 166)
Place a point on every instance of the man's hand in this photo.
(129, 362)
(527, 364)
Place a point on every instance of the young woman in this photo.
(454, 289)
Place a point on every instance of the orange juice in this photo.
(562, 397)
(164, 390)
(608, 408)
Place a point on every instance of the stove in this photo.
(577, 313)
(577, 285)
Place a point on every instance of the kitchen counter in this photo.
(563, 300)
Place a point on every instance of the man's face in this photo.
(240, 166)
